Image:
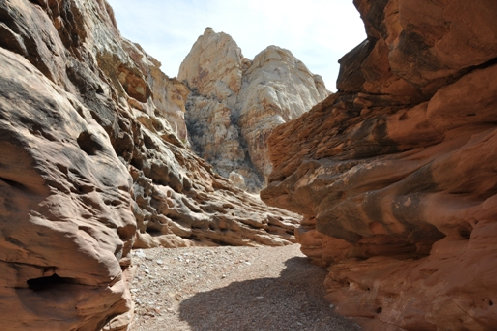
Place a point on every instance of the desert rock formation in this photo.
(235, 102)
(395, 173)
(93, 163)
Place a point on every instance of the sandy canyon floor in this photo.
(230, 288)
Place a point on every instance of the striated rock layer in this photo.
(395, 174)
(93, 163)
(235, 103)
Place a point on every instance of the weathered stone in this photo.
(394, 173)
(65, 208)
(236, 102)
(95, 161)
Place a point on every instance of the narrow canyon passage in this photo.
(104, 156)
(230, 288)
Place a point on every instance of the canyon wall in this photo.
(396, 174)
(94, 162)
(236, 102)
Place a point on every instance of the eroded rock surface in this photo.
(93, 163)
(235, 103)
(395, 174)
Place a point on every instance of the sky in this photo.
(317, 32)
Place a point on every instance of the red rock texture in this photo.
(92, 164)
(395, 173)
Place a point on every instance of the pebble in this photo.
(140, 253)
(166, 280)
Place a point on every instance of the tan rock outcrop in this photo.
(235, 102)
(394, 173)
(94, 161)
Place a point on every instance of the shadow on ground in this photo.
(293, 301)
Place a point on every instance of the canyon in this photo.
(389, 183)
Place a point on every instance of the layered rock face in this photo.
(93, 163)
(395, 174)
(236, 102)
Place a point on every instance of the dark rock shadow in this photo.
(293, 301)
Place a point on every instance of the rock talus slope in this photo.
(235, 102)
(395, 173)
(93, 163)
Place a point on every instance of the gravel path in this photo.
(230, 288)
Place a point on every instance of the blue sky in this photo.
(318, 32)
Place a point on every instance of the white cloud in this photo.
(318, 32)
